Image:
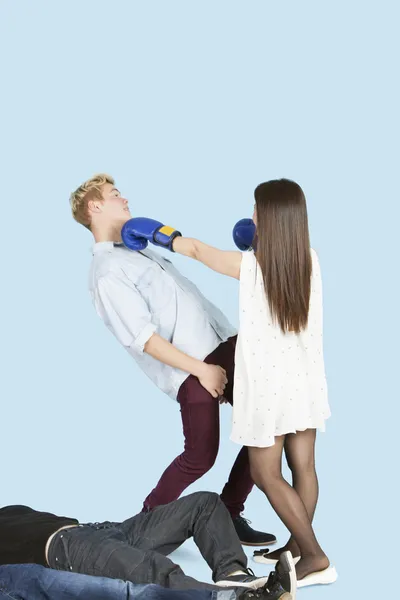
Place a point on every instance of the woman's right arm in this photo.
(222, 261)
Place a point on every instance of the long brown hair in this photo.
(283, 251)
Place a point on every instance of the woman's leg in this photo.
(300, 456)
(265, 464)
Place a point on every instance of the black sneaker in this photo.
(283, 577)
(286, 573)
(273, 591)
(249, 536)
(247, 580)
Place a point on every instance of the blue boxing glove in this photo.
(138, 232)
(244, 234)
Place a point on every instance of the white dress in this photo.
(279, 385)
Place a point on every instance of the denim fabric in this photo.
(34, 582)
(136, 549)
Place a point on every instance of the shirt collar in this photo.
(105, 246)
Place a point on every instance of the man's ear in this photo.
(94, 206)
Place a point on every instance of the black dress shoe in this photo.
(249, 536)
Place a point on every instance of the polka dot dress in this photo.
(280, 385)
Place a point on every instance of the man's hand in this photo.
(213, 379)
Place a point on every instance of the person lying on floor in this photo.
(35, 582)
(136, 550)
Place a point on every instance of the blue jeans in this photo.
(136, 550)
(34, 582)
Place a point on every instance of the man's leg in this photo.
(202, 516)
(240, 483)
(104, 550)
(34, 582)
(200, 420)
(238, 486)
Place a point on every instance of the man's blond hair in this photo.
(90, 190)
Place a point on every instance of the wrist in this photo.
(185, 246)
(175, 243)
(199, 369)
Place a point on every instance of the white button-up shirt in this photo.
(139, 293)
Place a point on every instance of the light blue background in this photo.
(190, 105)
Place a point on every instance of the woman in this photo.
(280, 392)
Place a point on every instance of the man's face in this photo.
(114, 207)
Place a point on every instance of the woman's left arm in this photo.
(225, 262)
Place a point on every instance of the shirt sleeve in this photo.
(125, 311)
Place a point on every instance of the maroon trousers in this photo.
(200, 420)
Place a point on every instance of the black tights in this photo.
(295, 505)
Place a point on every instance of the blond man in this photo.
(180, 340)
